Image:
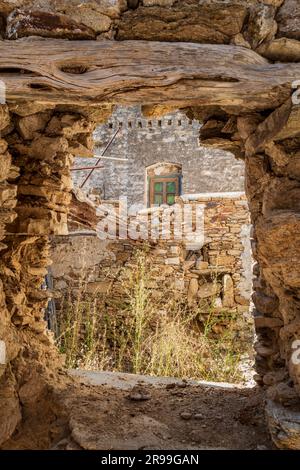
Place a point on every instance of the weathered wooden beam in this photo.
(130, 72)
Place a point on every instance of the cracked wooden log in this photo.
(90, 73)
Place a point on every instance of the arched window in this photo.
(163, 183)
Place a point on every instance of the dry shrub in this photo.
(141, 332)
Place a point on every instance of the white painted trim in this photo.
(224, 195)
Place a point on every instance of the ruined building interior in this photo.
(73, 73)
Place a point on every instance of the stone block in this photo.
(2, 352)
(22, 23)
(288, 19)
(284, 425)
(192, 290)
(179, 284)
(208, 290)
(4, 116)
(29, 126)
(98, 287)
(228, 291)
(267, 322)
(202, 265)
(173, 261)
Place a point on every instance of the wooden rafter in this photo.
(130, 72)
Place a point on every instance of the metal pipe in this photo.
(99, 159)
(114, 158)
(86, 168)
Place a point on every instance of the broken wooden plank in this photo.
(131, 72)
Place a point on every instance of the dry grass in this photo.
(146, 335)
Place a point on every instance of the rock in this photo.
(69, 125)
(39, 272)
(218, 302)
(275, 377)
(208, 290)
(98, 287)
(27, 108)
(278, 156)
(265, 304)
(179, 284)
(5, 166)
(170, 386)
(138, 394)
(46, 148)
(157, 111)
(201, 265)
(3, 146)
(267, 322)
(30, 126)
(133, 4)
(284, 426)
(288, 20)
(261, 25)
(284, 394)
(79, 150)
(258, 379)
(196, 436)
(224, 260)
(161, 3)
(263, 351)
(2, 352)
(188, 264)
(270, 129)
(49, 221)
(186, 415)
(192, 290)
(8, 196)
(275, 3)
(207, 23)
(228, 291)
(239, 299)
(4, 116)
(289, 127)
(173, 261)
(90, 17)
(281, 50)
(10, 413)
(239, 40)
(22, 23)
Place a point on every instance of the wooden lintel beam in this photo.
(131, 72)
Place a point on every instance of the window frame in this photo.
(169, 178)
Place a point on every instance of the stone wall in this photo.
(268, 138)
(142, 142)
(219, 271)
(271, 27)
(36, 156)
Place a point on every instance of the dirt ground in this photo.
(135, 414)
(175, 416)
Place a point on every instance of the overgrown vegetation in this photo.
(151, 334)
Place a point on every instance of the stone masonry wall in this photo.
(269, 141)
(36, 156)
(144, 142)
(217, 272)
